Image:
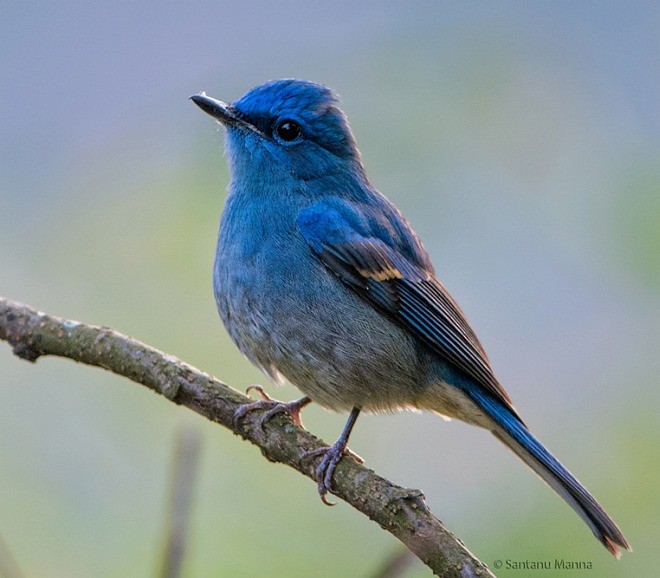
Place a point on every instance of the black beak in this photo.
(221, 111)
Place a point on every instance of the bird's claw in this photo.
(272, 407)
(260, 390)
(356, 457)
(326, 469)
(246, 408)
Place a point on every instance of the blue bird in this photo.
(321, 281)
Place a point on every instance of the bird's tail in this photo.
(516, 436)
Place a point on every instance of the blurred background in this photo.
(522, 140)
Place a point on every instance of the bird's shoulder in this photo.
(341, 220)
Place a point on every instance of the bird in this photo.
(321, 282)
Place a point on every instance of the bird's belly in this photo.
(320, 337)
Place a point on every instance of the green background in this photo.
(522, 140)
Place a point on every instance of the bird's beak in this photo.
(219, 110)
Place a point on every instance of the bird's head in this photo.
(286, 127)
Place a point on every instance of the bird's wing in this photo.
(404, 291)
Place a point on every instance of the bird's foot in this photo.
(326, 469)
(272, 407)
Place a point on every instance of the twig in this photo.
(395, 565)
(184, 475)
(401, 511)
(8, 566)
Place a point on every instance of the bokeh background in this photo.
(522, 140)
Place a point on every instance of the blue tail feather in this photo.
(512, 432)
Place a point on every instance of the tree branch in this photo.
(401, 511)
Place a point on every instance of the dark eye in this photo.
(288, 130)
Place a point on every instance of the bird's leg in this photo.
(332, 456)
(272, 407)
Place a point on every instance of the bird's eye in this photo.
(288, 130)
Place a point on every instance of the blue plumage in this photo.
(321, 281)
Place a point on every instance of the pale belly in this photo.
(319, 336)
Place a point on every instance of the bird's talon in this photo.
(246, 408)
(352, 454)
(272, 407)
(326, 469)
(260, 390)
(325, 500)
(308, 454)
(292, 409)
(327, 479)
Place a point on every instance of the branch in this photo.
(401, 511)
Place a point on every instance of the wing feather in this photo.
(407, 293)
